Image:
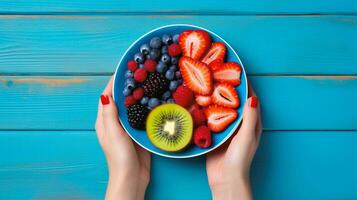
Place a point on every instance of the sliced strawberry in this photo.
(196, 75)
(194, 43)
(228, 73)
(216, 64)
(218, 118)
(216, 51)
(225, 95)
(203, 100)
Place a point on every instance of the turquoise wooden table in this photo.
(56, 56)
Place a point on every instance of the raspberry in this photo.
(140, 75)
(198, 116)
(132, 65)
(129, 101)
(202, 137)
(150, 65)
(183, 96)
(138, 93)
(174, 50)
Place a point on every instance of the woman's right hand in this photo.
(228, 167)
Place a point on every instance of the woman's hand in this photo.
(128, 164)
(228, 167)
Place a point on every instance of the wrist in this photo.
(232, 188)
(126, 186)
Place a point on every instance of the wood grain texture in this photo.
(288, 165)
(174, 6)
(39, 44)
(70, 102)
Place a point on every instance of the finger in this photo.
(99, 127)
(251, 91)
(110, 116)
(108, 88)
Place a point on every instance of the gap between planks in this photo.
(79, 15)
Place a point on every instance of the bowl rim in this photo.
(240, 117)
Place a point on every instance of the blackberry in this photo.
(137, 116)
(155, 85)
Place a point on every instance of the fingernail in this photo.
(253, 102)
(104, 99)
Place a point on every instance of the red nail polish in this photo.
(104, 99)
(253, 102)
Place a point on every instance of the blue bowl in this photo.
(139, 136)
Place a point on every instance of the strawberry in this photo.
(198, 117)
(228, 73)
(194, 43)
(216, 51)
(218, 118)
(225, 95)
(196, 75)
(183, 96)
(216, 64)
(202, 137)
(203, 100)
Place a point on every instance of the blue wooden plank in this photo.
(94, 44)
(70, 102)
(70, 165)
(207, 6)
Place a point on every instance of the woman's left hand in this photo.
(128, 164)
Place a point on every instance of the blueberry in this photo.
(164, 49)
(173, 67)
(155, 42)
(179, 81)
(126, 91)
(166, 95)
(129, 74)
(139, 58)
(130, 83)
(166, 39)
(153, 102)
(178, 74)
(141, 66)
(173, 85)
(144, 100)
(161, 67)
(165, 58)
(174, 60)
(170, 101)
(154, 54)
(145, 49)
(175, 38)
(170, 75)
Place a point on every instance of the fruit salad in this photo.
(181, 90)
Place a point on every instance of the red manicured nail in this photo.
(104, 99)
(253, 102)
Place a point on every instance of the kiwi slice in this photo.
(169, 127)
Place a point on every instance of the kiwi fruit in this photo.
(169, 127)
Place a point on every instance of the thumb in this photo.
(251, 118)
(110, 116)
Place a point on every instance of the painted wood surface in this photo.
(50, 44)
(56, 57)
(174, 6)
(70, 165)
(70, 102)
